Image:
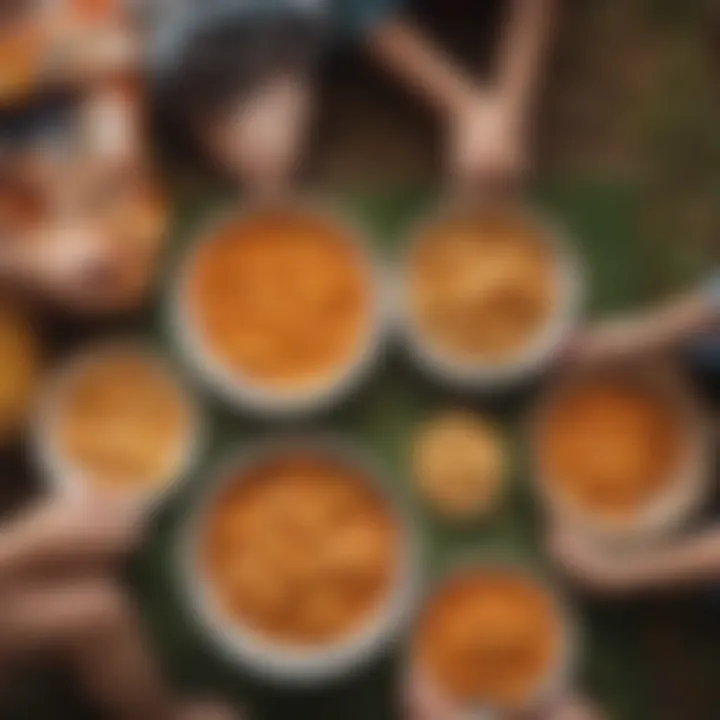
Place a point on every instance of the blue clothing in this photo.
(355, 17)
(704, 352)
(361, 16)
(178, 22)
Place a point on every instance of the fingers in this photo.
(423, 702)
(114, 665)
(84, 266)
(77, 533)
(592, 567)
(575, 709)
(208, 712)
(45, 620)
(92, 627)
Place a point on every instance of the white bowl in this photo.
(287, 664)
(501, 375)
(685, 493)
(559, 678)
(67, 479)
(242, 393)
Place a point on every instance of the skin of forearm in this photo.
(523, 48)
(696, 559)
(675, 323)
(402, 48)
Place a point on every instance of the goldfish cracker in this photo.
(459, 465)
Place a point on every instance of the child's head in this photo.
(217, 59)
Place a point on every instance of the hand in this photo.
(568, 708)
(487, 149)
(583, 562)
(422, 702)
(260, 143)
(207, 712)
(70, 532)
(75, 264)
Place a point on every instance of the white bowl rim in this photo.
(685, 494)
(559, 677)
(62, 476)
(229, 386)
(294, 665)
(485, 376)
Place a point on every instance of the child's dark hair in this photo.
(223, 60)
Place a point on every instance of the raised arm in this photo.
(522, 55)
(407, 53)
(487, 122)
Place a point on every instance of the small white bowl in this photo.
(559, 678)
(286, 664)
(242, 393)
(63, 476)
(488, 376)
(685, 493)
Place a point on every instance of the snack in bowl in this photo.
(117, 419)
(299, 562)
(488, 290)
(301, 550)
(492, 638)
(280, 303)
(611, 447)
(459, 464)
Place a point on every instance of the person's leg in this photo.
(92, 628)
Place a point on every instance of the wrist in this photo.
(512, 105)
(461, 98)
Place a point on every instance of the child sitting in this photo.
(72, 150)
(239, 76)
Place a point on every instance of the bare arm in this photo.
(416, 61)
(522, 53)
(688, 561)
(650, 332)
(486, 122)
(693, 560)
(675, 322)
(67, 531)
